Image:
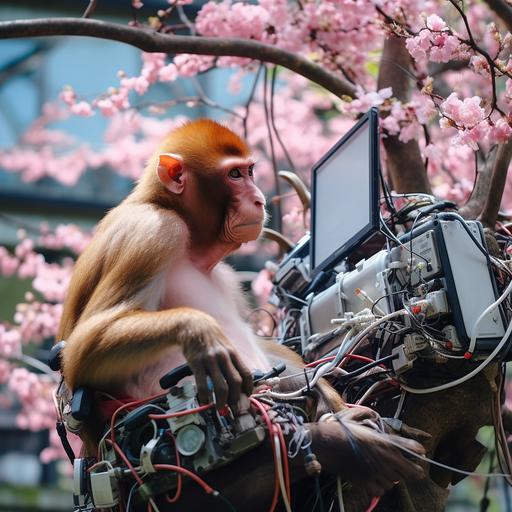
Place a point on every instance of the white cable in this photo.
(400, 405)
(444, 466)
(370, 390)
(279, 469)
(153, 504)
(339, 493)
(328, 366)
(485, 312)
(466, 377)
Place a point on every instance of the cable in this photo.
(444, 466)
(177, 494)
(181, 413)
(279, 467)
(339, 494)
(478, 369)
(368, 366)
(400, 405)
(198, 480)
(130, 497)
(270, 428)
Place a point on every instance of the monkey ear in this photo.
(170, 172)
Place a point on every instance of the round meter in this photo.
(189, 440)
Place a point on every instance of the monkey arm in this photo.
(112, 345)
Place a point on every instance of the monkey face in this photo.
(245, 213)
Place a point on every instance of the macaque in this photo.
(151, 292)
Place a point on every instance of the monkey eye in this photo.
(235, 173)
(251, 170)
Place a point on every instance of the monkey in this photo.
(151, 290)
(145, 292)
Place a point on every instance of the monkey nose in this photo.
(260, 203)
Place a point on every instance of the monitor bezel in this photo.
(371, 117)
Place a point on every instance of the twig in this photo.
(250, 98)
(272, 150)
(471, 42)
(273, 121)
(209, 102)
(90, 9)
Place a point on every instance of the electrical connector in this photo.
(104, 489)
(404, 362)
(414, 343)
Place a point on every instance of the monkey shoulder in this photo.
(143, 231)
(133, 246)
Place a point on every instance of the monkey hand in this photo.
(210, 354)
(370, 458)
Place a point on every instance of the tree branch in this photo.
(404, 160)
(151, 41)
(497, 185)
(503, 10)
(475, 204)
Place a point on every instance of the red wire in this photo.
(346, 356)
(284, 457)
(135, 403)
(186, 472)
(357, 358)
(180, 413)
(373, 503)
(319, 361)
(178, 463)
(128, 464)
(270, 427)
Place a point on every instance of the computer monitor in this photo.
(345, 188)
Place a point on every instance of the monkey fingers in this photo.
(201, 378)
(244, 372)
(234, 383)
(228, 375)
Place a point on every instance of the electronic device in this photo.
(171, 431)
(345, 203)
(448, 297)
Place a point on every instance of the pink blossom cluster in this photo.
(338, 32)
(436, 42)
(37, 321)
(35, 395)
(65, 236)
(472, 122)
(10, 342)
(135, 138)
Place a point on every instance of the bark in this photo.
(151, 41)
(475, 204)
(503, 10)
(404, 161)
(497, 185)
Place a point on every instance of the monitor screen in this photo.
(345, 203)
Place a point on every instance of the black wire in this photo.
(228, 503)
(320, 499)
(397, 241)
(368, 366)
(387, 194)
